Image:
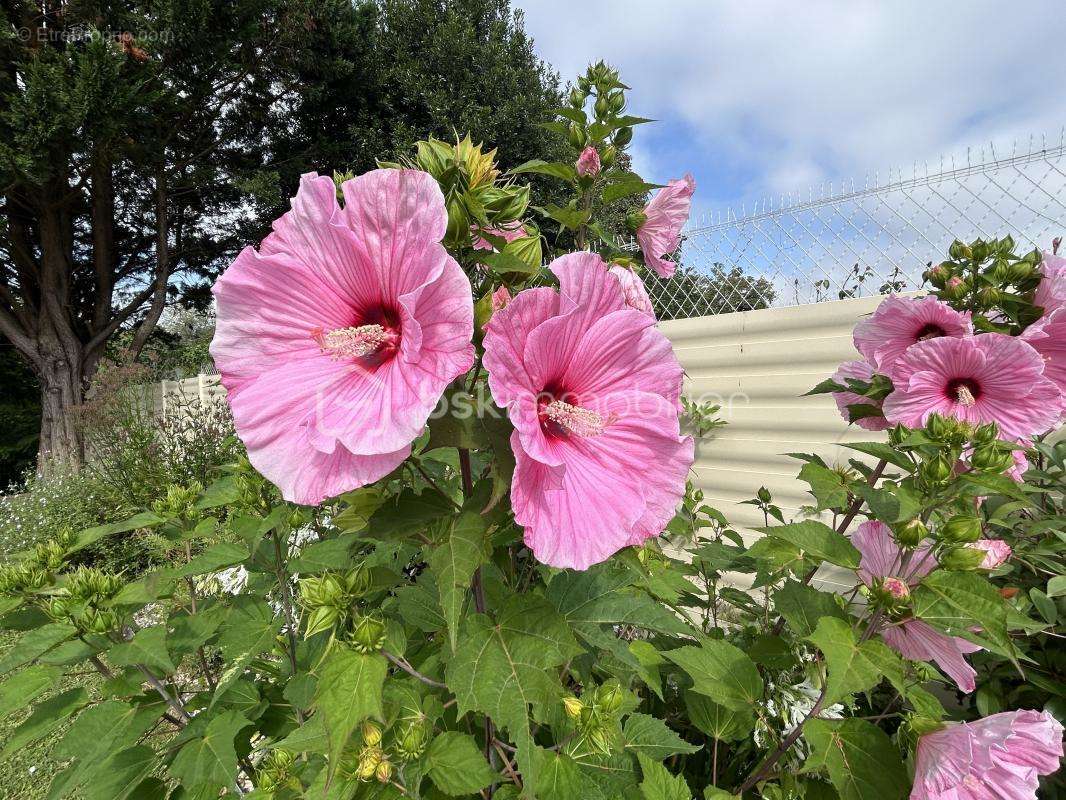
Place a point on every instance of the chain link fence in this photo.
(854, 241)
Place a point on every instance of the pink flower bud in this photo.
(500, 298)
(996, 552)
(588, 163)
(896, 587)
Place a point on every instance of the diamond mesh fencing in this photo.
(865, 240)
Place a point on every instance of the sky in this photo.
(763, 98)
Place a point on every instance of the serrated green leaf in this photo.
(216, 557)
(24, 687)
(853, 667)
(454, 562)
(722, 672)
(408, 513)
(882, 451)
(35, 643)
(652, 737)
(148, 647)
(122, 773)
(803, 606)
(827, 486)
(956, 602)
(348, 692)
(557, 169)
(861, 760)
(818, 540)
(146, 519)
(456, 765)
(210, 760)
(716, 720)
(659, 784)
(45, 717)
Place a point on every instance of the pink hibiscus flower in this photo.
(977, 379)
(665, 216)
(899, 322)
(996, 758)
(882, 562)
(588, 163)
(1051, 293)
(1048, 337)
(633, 291)
(996, 551)
(337, 337)
(592, 388)
(856, 370)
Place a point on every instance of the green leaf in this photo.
(360, 507)
(716, 720)
(459, 426)
(570, 218)
(122, 773)
(250, 627)
(557, 169)
(1045, 605)
(146, 519)
(216, 557)
(722, 672)
(454, 562)
(408, 513)
(803, 606)
(24, 687)
(34, 644)
(1056, 587)
(504, 668)
(956, 602)
(827, 486)
(45, 717)
(884, 452)
(853, 667)
(616, 191)
(456, 765)
(659, 784)
(861, 760)
(210, 760)
(818, 540)
(348, 692)
(652, 737)
(148, 647)
(560, 777)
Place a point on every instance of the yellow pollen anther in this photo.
(351, 342)
(577, 420)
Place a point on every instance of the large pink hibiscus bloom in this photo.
(882, 560)
(592, 388)
(1048, 337)
(337, 337)
(996, 758)
(862, 371)
(899, 322)
(977, 379)
(665, 216)
(1051, 293)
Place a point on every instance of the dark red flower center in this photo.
(964, 391)
(929, 331)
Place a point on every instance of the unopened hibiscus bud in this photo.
(573, 707)
(576, 135)
(989, 296)
(988, 432)
(588, 163)
(895, 588)
(912, 533)
(383, 772)
(577, 97)
(458, 222)
(962, 559)
(623, 137)
(609, 698)
(412, 741)
(526, 249)
(990, 458)
(358, 580)
(955, 288)
(617, 100)
(937, 470)
(961, 529)
(610, 153)
(938, 275)
(634, 220)
(937, 426)
(371, 733)
(368, 763)
(368, 634)
(600, 740)
(996, 552)
(958, 250)
(602, 107)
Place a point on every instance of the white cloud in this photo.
(769, 97)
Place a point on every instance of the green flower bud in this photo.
(600, 741)
(610, 153)
(991, 458)
(938, 427)
(1021, 271)
(634, 220)
(622, 137)
(962, 559)
(961, 529)
(412, 741)
(577, 97)
(58, 608)
(764, 495)
(573, 707)
(616, 100)
(936, 471)
(576, 136)
(960, 251)
(368, 634)
(384, 771)
(609, 698)
(603, 106)
(911, 533)
(988, 432)
(938, 275)
(321, 618)
(369, 760)
(358, 581)
(989, 296)
(371, 733)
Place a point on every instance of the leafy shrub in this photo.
(431, 628)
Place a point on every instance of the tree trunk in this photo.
(62, 389)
